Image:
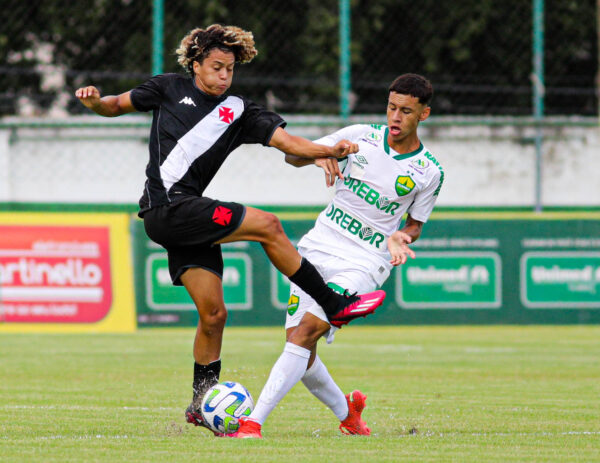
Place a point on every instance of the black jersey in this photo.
(192, 135)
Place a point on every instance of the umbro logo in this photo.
(187, 100)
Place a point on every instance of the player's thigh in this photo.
(256, 225)
(193, 221)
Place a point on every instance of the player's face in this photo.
(213, 76)
(404, 112)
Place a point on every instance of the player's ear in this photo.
(425, 113)
(196, 67)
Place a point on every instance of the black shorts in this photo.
(188, 229)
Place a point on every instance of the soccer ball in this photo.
(224, 404)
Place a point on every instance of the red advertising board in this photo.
(55, 274)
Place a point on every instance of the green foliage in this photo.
(477, 52)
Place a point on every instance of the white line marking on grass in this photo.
(501, 434)
(84, 437)
(82, 407)
(488, 350)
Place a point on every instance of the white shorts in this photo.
(338, 273)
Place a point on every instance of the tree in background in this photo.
(477, 52)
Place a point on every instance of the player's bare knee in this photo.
(212, 318)
(306, 335)
(272, 228)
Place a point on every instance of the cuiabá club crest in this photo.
(404, 185)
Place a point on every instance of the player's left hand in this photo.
(343, 148)
(331, 168)
(398, 246)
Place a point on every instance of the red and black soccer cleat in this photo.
(357, 306)
(194, 417)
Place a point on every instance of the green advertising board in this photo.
(450, 279)
(162, 295)
(470, 268)
(560, 280)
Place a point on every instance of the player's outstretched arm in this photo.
(108, 106)
(329, 165)
(303, 148)
(398, 242)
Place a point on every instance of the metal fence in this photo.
(478, 54)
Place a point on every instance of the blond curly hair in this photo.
(198, 43)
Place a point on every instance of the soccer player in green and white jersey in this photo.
(356, 241)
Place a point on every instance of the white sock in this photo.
(318, 381)
(286, 372)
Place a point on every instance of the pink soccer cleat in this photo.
(358, 306)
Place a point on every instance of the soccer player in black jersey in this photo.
(195, 126)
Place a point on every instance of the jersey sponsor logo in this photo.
(293, 303)
(361, 159)
(372, 138)
(226, 114)
(371, 196)
(404, 185)
(355, 227)
(222, 216)
(436, 163)
(187, 100)
(420, 163)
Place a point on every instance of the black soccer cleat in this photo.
(193, 416)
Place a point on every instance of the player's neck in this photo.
(407, 145)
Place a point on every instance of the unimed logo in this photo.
(558, 274)
(476, 274)
(54, 274)
(561, 279)
(462, 280)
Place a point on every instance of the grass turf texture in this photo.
(435, 394)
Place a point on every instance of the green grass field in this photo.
(435, 394)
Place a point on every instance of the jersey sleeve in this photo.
(351, 133)
(150, 94)
(259, 124)
(425, 199)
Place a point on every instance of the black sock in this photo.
(205, 377)
(311, 282)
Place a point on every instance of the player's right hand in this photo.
(331, 168)
(89, 96)
(398, 247)
(343, 148)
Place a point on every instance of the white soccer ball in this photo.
(224, 404)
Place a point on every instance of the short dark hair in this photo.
(413, 85)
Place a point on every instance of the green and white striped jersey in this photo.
(379, 187)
